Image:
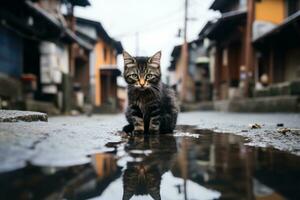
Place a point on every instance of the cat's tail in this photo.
(128, 128)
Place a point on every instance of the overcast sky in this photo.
(156, 22)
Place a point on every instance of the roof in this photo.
(177, 49)
(174, 57)
(225, 23)
(43, 13)
(206, 28)
(220, 4)
(289, 27)
(64, 31)
(101, 32)
(217, 4)
(85, 36)
(71, 35)
(82, 3)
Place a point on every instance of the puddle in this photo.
(192, 164)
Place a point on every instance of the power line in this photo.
(157, 21)
(149, 28)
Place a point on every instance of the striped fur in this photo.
(152, 106)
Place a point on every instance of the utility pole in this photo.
(185, 20)
(184, 54)
(249, 50)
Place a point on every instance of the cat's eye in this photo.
(133, 76)
(149, 76)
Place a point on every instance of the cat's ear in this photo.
(155, 59)
(128, 59)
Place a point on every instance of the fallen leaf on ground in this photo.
(283, 130)
(254, 126)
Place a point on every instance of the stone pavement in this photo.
(238, 123)
(68, 141)
(63, 141)
(17, 115)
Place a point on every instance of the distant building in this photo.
(103, 67)
(277, 49)
(249, 55)
(36, 53)
(122, 97)
(227, 50)
(254, 45)
(198, 86)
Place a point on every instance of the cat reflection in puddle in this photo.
(144, 178)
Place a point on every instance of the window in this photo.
(104, 54)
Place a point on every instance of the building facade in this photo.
(198, 86)
(103, 67)
(253, 54)
(42, 43)
(259, 49)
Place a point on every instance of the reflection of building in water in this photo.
(105, 164)
(79, 182)
(93, 181)
(221, 162)
(167, 167)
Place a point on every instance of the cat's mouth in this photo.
(142, 88)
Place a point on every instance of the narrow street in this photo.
(67, 153)
(70, 69)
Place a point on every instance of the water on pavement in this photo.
(192, 164)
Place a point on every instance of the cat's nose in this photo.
(142, 82)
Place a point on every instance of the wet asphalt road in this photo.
(67, 141)
(88, 157)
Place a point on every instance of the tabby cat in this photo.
(152, 106)
(140, 179)
(144, 177)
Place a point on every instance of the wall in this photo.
(171, 80)
(92, 75)
(98, 62)
(11, 53)
(292, 65)
(101, 61)
(270, 10)
(122, 97)
(54, 61)
(212, 64)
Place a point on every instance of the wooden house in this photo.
(277, 49)
(42, 41)
(103, 67)
(228, 36)
(198, 85)
(254, 43)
